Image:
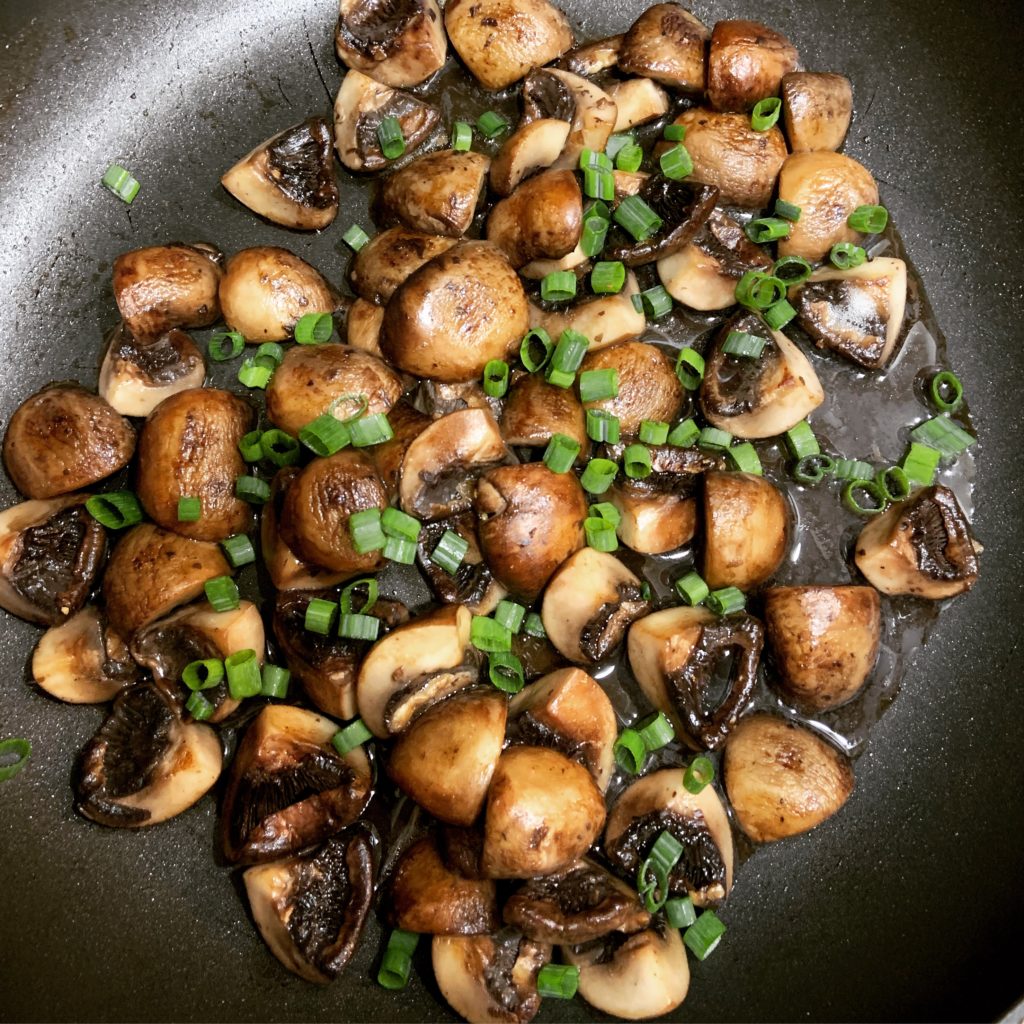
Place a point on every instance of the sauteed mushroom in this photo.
(589, 59)
(362, 327)
(746, 63)
(534, 410)
(816, 109)
(603, 319)
(666, 43)
(637, 100)
(653, 522)
(532, 147)
(389, 258)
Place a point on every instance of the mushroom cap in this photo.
(666, 43)
(407, 424)
(746, 63)
(362, 327)
(816, 110)
(530, 148)
(589, 59)
(535, 409)
(590, 111)
(389, 258)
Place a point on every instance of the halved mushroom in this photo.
(415, 666)
(570, 712)
(407, 424)
(437, 398)
(534, 410)
(746, 520)
(427, 896)
(289, 788)
(543, 813)
(827, 187)
(289, 179)
(311, 908)
(446, 758)
(83, 660)
(759, 397)
(638, 100)
(537, 269)
(816, 109)
(136, 378)
(746, 63)
(360, 107)
(51, 553)
(629, 183)
(660, 803)
(189, 448)
(490, 979)
(537, 655)
(666, 43)
(64, 438)
(604, 319)
(362, 327)
(266, 290)
(145, 765)
(442, 463)
(152, 571)
(437, 193)
(653, 521)
(921, 546)
(472, 584)
(589, 59)
(824, 641)
(455, 314)
(462, 850)
(541, 219)
(699, 669)
(399, 44)
(166, 286)
(500, 42)
(781, 778)
(389, 258)
(589, 604)
(530, 522)
(531, 147)
(857, 312)
(635, 978)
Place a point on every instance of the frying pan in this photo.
(907, 905)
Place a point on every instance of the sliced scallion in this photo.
(450, 551)
(765, 114)
(598, 475)
(243, 672)
(222, 593)
(726, 601)
(115, 510)
(561, 453)
(350, 736)
(314, 328)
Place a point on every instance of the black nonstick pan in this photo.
(907, 905)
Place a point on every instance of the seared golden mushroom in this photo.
(446, 758)
(746, 63)
(589, 604)
(827, 187)
(921, 546)
(653, 521)
(289, 788)
(500, 42)
(543, 813)
(759, 397)
(589, 59)
(136, 378)
(534, 410)
(51, 553)
(289, 179)
(666, 43)
(437, 193)
(455, 314)
(531, 521)
(389, 258)
(532, 147)
(438, 398)
(745, 524)
(638, 100)
(604, 319)
(266, 290)
(311, 908)
(629, 183)
(857, 312)
(188, 448)
(64, 438)
(166, 286)
(427, 896)
(407, 424)
(824, 641)
(399, 44)
(145, 765)
(152, 571)
(472, 584)
(816, 110)
(362, 327)
(83, 660)
(360, 107)
(781, 778)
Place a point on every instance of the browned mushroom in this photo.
(389, 258)
(534, 410)
(530, 148)
(666, 43)
(746, 63)
(816, 110)
(603, 319)
(407, 424)
(362, 327)
(638, 100)
(589, 59)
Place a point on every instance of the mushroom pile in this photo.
(517, 549)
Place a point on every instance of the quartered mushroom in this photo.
(64, 438)
(699, 669)
(51, 554)
(415, 666)
(407, 423)
(490, 979)
(856, 312)
(653, 521)
(589, 604)
(666, 43)
(389, 258)
(532, 147)
(166, 286)
(762, 396)
(921, 546)
(816, 110)
(399, 44)
(534, 410)
(823, 641)
(472, 584)
(359, 108)
(537, 269)
(604, 319)
(362, 327)
(501, 41)
(543, 813)
(189, 448)
(311, 908)
(83, 660)
(589, 59)
(145, 764)
(660, 803)
(136, 378)
(266, 290)
(288, 787)
(781, 778)
(637, 100)
(289, 179)
(629, 183)
(746, 63)
(446, 758)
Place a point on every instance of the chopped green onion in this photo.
(120, 181)
(533, 625)
(603, 426)
(792, 270)
(361, 402)
(894, 483)
(846, 255)
(629, 158)
(450, 551)
(767, 229)
(558, 286)
(868, 220)
(528, 354)
(812, 469)
(702, 938)
(279, 447)
(597, 385)
(225, 345)
(356, 626)
(255, 373)
(714, 440)
(314, 328)
(569, 352)
(347, 600)
(676, 163)
(605, 510)
(505, 671)
(496, 378)
(921, 462)
(662, 859)
(203, 675)
(777, 315)
(744, 345)
(198, 707)
(726, 601)
(487, 635)
(600, 534)
(853, 469)
(325, 435)
(684, 434)
(355, 237)
(656, 731)
(593, 158)
(875, 495)
(618, 142)
(250, 447)
(561, 453)
(788, 211)
(692, 588)
(274, 681)
(599, 183)
(690, 368)
(679, 912)
(765, 114)
(396, 523)
(243, 670)
(634, 216)
(653, 431)
(190, 510)
(745, 458)
(699, 772)
(390, 137)
(222, 593)
(674, 132)
(272, 351)
(800, 440)
(630, 751)
(462, 137)
(608, 277)
(115, 510)
(365, 530)
(320, 616)
(598, 475)
(597, 208)
(653, 302)
(510, 614)
(558, 981)
(370, 430)
(757, 290)
(946, 391)
(592, 239)
(942, 434)
(398, 549)
(397, 963)
(252, 489)
(353, 735)
(491, 124)
(238, 550)
(636, 462)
